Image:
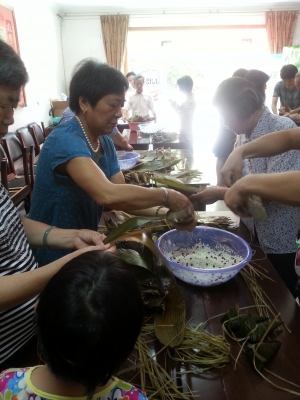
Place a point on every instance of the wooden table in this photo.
(227, 383)
(122, 125)
(242, 383)
(143, 143)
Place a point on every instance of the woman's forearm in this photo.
(56, 238)
(272, 144)
(18, 288)
(87, 175)
(283, 187)
(158, 211)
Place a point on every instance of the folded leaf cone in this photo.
(263, 354)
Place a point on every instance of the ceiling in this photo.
(134, 7)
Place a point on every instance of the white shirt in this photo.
(140, 104)
(130, 92)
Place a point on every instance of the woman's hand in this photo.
(233, 167)
(237, 200)
(294, 117)
(86, 238)
(209, 195)
(181, 211)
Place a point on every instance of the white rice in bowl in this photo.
(204, 257)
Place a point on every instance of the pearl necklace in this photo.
(87, 139)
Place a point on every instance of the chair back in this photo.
(13, 150)
(6, 174)
(27, 140)
(37, 133)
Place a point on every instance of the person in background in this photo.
(240, 104)
(88, 319)
(186, 110)
(283, 187)
(78, 171)
(131, 89)
(224, 147)
(259, 80)
(20, 278)
(295, 114)
(226, 139)
(139, 103)
(297, 81)
(286, 91)
(115, 136)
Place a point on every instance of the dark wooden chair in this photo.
(44, 130)
(27, 141)
(17, 171)
(18, 187)
(37, 134)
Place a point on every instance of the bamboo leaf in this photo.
(262, 354)
(169, 327)
(262, 327)
(142, 270)
(174, 183)
(142, 275)
(129, 225)
(156, 165)
(133, 257)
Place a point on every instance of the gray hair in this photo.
(12, 69)
(139, 76)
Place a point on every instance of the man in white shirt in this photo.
(131, 90)
(140, 103)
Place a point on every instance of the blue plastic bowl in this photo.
(149, 129)
(174, 240)
(127, 159)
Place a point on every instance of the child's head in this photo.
(88, 318)
(185, 84)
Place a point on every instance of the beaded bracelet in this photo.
(157, 210)
(46, 233)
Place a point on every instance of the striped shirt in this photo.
(16, 324)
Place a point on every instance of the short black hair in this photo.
(185, 83)
(288, 71)
(259, 79)
(131, 73)
(88, 319)
(12, 69)
(93, 80)
(241, 72)
(238, 95)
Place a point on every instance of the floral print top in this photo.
(277, 233)
(15, 384)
